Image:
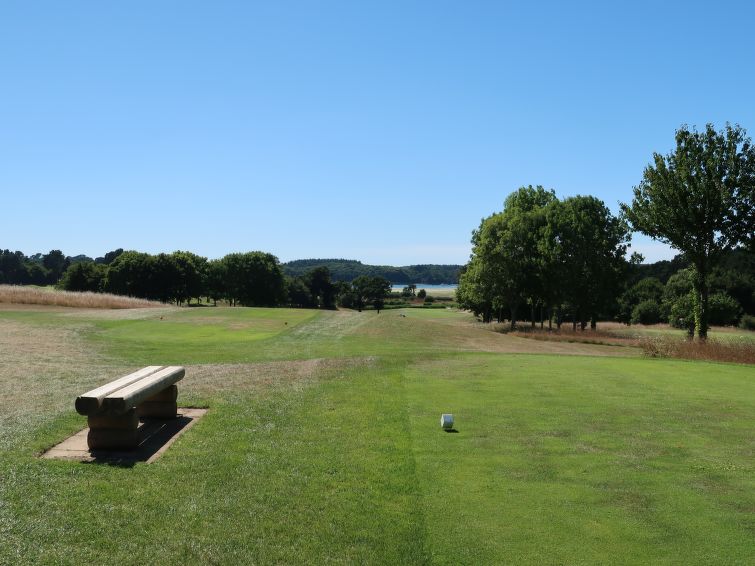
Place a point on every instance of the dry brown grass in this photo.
(566, 334)
(737, 351)
(42, 369)
(21, 295)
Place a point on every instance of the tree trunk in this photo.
(532, 314)
(550, 318)
(513, 317)
(700, 284)
(593, 323)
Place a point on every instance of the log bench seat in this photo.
(113, 410)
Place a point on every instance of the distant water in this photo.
(427, 287)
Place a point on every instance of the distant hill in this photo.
(349, 269)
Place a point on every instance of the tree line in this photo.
(566, 259)
(348, 270)
(248, 279)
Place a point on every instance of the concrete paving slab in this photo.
(155, 435)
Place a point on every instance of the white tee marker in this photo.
(446, 421)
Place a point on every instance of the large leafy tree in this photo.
(699, 199)
(132, 274)
(55, 263)
(507, 267)
(372, 290)
(588, 245)
(321, 287)
(254, 279)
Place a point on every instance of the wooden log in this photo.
(112, 439)
(168, 394)
(132, 395)
(91, 401)
(127, 421)
(157, 409)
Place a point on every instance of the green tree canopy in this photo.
(699, 199)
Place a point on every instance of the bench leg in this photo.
(161, 405)
(113, 432)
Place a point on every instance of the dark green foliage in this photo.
(81, 258)
(646, 312)
(700, 200)
(13, 268)
(422, 294)
(321, 287)
(132, 273)
(660, 270)
(190, 269)
(55, 263)
(587, 247)
(254, 279)
(747, 322)
(648, 289)
(83, 276)
(299, 295)
(409, 291)
(365, 290)
(682, 313)
(109, 257)
(214, 280)
(348, 270)
(541, 253)
(724, 310)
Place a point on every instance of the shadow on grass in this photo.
(156, 436)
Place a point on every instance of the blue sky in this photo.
(379, 131)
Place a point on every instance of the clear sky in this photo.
(379, 131)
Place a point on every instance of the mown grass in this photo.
(602, 461)
(333, 452)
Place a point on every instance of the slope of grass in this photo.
(333, 453)
(600, 461)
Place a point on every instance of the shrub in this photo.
(646, 312)
(747, 322)
(723, 310)
(422, 294)
(682, 313)
(429, 299)
(83, 276)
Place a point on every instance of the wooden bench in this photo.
(113, 410)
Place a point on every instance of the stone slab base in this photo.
(156, 435)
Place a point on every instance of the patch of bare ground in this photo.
(93, 314)
(507, 343)
(469, 335)
(212, 379)
(333, 323)
(24, 295)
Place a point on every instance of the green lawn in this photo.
(322, 444)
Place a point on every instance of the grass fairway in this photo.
(323, 444)
(602, 461)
